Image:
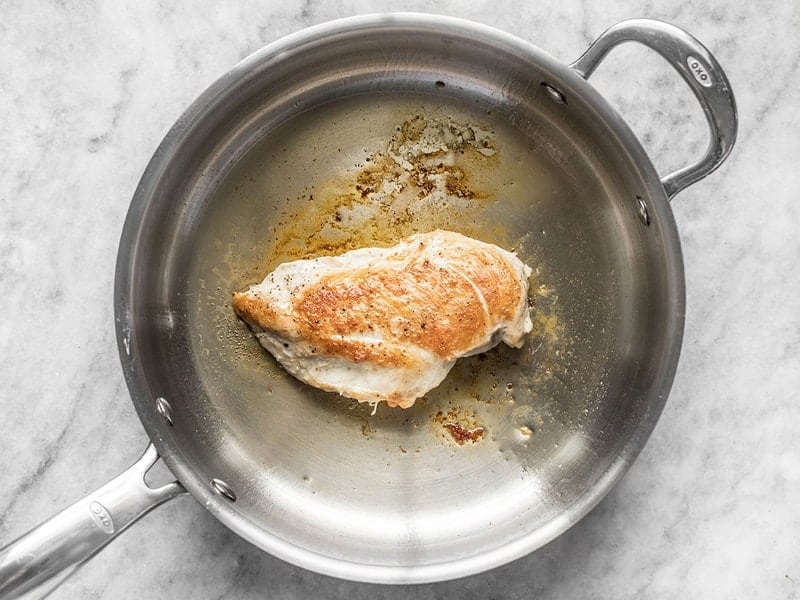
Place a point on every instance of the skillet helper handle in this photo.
(43, 558)
(697, 67)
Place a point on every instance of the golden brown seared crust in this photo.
(443, 301)
(490, 272)
(255, 311)
(430, 307)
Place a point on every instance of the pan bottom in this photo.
(366, 171)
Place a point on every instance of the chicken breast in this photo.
(388, 324)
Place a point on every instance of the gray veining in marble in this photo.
(710, 508)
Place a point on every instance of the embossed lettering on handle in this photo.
(101, 517)
(699, 71)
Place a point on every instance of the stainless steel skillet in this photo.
(293, 153)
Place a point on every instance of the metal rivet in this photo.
(223, 489)
(165, 410)
(554, 93)
(641, 209)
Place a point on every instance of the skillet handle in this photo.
(52, 551)
(697, 67)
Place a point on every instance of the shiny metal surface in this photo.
(390, 498)
(48, 554)
(698, 68)
(165, 410)
(273, 162)
(223, 489)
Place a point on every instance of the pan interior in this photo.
(313, 170)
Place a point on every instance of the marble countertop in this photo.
(709, 509)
